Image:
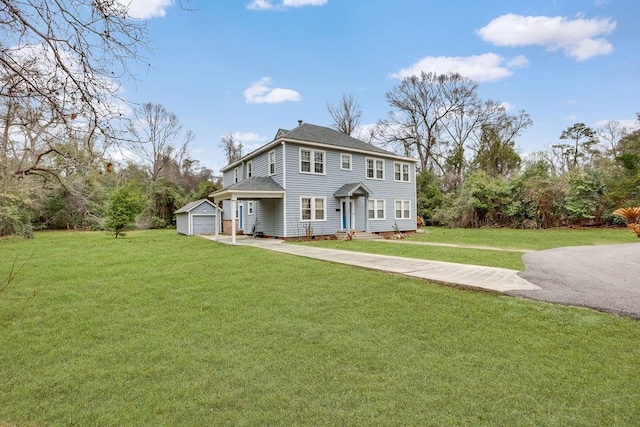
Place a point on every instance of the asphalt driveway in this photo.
(605, 277)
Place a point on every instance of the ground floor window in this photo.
(403, 209)
(376, 208)
(313, 208)
(249, 208)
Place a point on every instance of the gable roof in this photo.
(323, 135)
(319, 135)
(350, 189)
(193, 205)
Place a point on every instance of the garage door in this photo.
(204, 224)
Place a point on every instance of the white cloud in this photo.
(571, 102)
(519, 61)
(481, 68)
(145, 9)
(269, 5)
(578, 38)
(260, 93)
(507, 106)
(571, 118)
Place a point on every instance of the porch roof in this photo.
(256, 187)
(353, 189)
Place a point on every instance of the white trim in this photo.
(312, 161)
(402, 209)
(375, 169)
(402, 164)
(312, 207)
(250, 207)
(376, 209)
(235, 174)
(284, 216)
(352, 207)
(284, 166)
(249, 169)
(350, 162)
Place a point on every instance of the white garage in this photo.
(199, 217)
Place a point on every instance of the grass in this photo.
(509, 238)
(159, 329)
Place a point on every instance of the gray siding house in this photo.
(313, 180)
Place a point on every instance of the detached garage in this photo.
(199, 217)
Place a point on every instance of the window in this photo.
(401, 171)
(375, 168)
(272, 162)
(403, 209)
(311, 161)
(376, 208)
(249, 208)
(235, 175)
(345, 162)
(312, 208)
(249, 169)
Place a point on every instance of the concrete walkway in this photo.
(468, 276)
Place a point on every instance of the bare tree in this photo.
(437, 118)
(346, 115)
(232, 148)
(157, 139)
(68, 55)
(609, 135)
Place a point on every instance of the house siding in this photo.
(325, 185)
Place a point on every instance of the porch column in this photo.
(366, 213)
(234, 207)
(349, 213)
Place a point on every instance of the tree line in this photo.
(470, 173)
(75, 154)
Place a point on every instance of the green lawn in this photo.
(510, 238)
(160, 329)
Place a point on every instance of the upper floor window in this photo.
(311, 161)
(235, 175)
(401, 171)
(345, 161)
(249, 169)
(272, 162)
(403, 209)
(375, 168)
(312, 208)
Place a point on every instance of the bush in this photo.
(125, 205)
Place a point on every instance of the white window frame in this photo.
(402, 209)
(272, 162)
(375, 168)
(250, 208)
(249, 168)
(400, 166)
(312, 161)
(235, 174)
(346, 156)
(376, 209)
(313, 216)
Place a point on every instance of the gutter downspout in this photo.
(284, 185)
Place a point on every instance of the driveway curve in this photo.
(605, 277)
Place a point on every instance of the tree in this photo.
(157, 140)
(346, 115)
(125, 205)
(583, 137)
(495, 156)
(232, 148)
(68, 56)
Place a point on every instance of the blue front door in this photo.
(240, 220)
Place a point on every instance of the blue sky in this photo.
(249, 67)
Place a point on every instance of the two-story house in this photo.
(313, 180)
